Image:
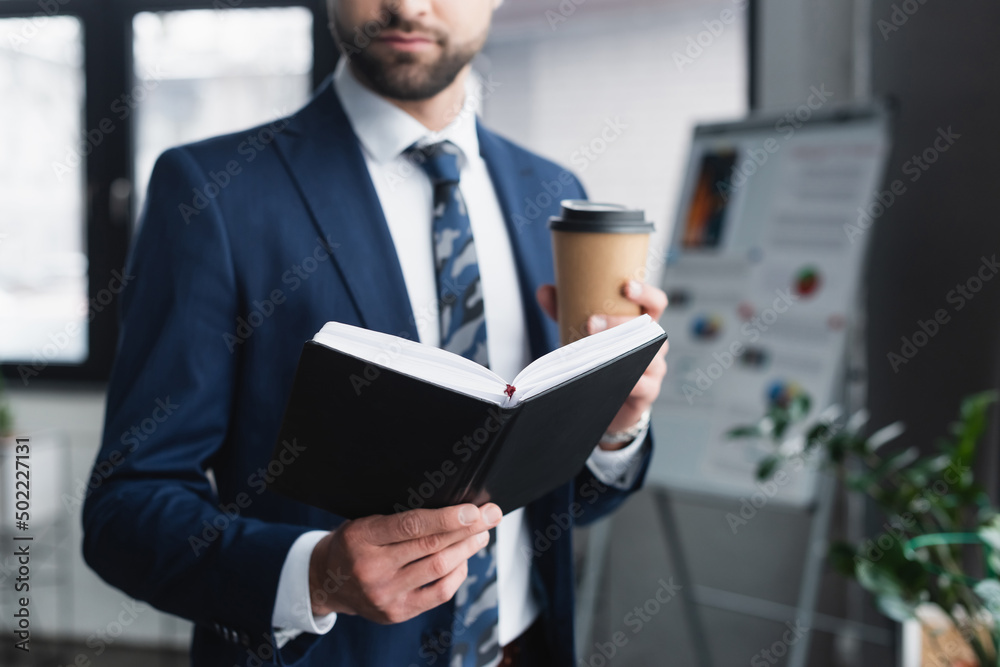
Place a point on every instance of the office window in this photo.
(202, 73)
(43, 149)
(90, 95)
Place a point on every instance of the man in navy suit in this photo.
(249, 244)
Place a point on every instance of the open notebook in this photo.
(466, 376)
(387, 424)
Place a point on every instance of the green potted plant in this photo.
(938, 554)
(6, 417)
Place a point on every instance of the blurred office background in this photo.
(91, 91)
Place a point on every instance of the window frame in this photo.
(107, 71)
(753, 35)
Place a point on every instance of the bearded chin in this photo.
(404, 77)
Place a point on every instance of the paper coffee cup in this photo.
(597, 248)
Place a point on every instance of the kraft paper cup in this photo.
(597, 248)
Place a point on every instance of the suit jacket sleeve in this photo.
(597, 499)
(152, 523)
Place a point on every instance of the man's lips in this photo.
(406, 42)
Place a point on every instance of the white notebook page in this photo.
(465, 376)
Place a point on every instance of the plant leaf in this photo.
(990, 533)
(988, 591)
(895, 607)
(897, 461)
(767, 466)
(885, 434)
(744, 432)
(857, 421)
(842, 557)
(799, 407)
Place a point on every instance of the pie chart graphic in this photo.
(781, 392)
(706, 327)
(808, 281)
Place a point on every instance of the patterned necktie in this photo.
(463, 331)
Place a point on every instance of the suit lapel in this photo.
(515, 181)
(322, 152)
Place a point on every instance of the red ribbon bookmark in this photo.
(509, 391)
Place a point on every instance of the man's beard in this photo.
(402, 76)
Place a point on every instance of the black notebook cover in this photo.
(375, 441)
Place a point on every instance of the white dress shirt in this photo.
(406, 195)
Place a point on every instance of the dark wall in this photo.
(943, 67)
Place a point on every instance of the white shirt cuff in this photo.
(618, 467)
(292, 606)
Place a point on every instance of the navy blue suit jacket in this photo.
(249, 244)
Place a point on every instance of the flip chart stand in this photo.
(693, 595)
